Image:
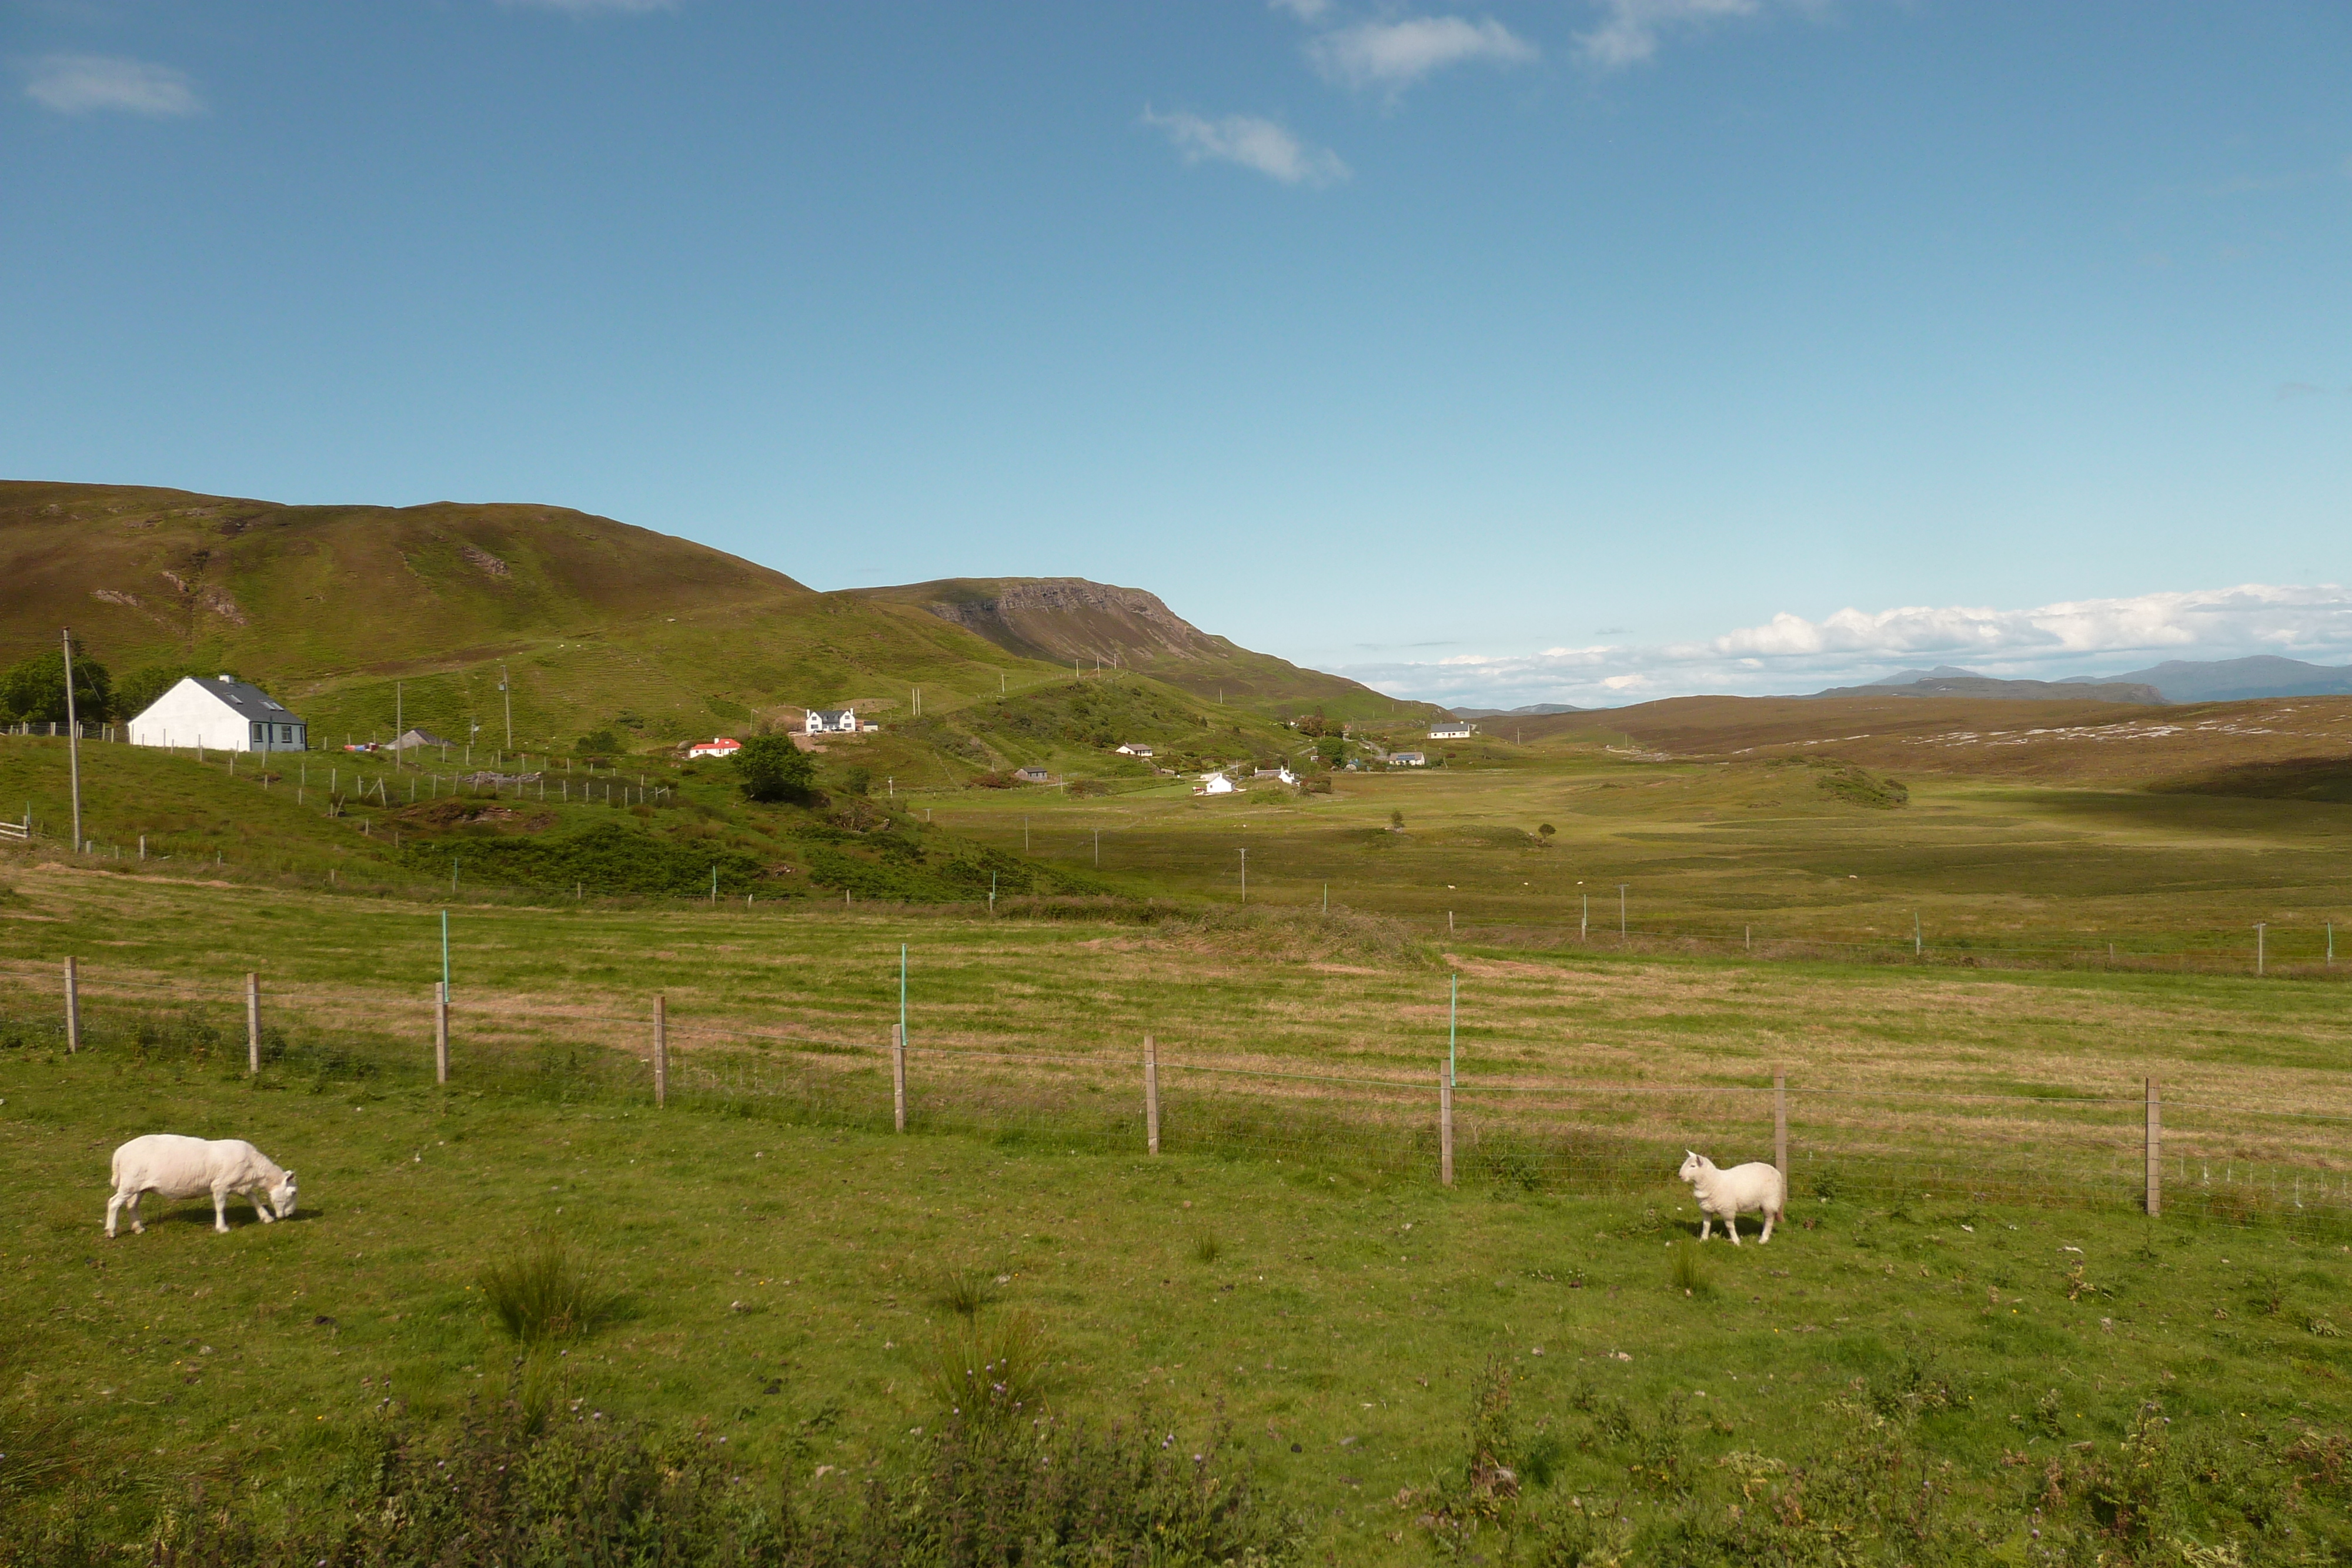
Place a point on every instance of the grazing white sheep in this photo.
(175, 1166)
(1726, 1194)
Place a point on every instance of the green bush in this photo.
(771, 767)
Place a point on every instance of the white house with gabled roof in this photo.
(220, 715)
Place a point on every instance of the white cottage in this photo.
(220, 715)
(1214, 784)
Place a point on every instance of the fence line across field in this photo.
(2107, 1149)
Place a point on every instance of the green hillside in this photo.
(365, 618)
(357, 614)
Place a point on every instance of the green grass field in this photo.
(784, 1269)
(782, 1286)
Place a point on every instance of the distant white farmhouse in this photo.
(725, 746)
(1283, 773)
(1032, 775)
(1407, 759)
(1452, 729)
(1214, 784)
(832, 721)
(1133, 749)
(220, 715)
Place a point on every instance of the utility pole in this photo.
(73, 741)
(398, 718)
(506, 689)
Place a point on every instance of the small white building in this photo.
(833, 721)
(1281, 773)
(1214, 784)
(1032, 775)
(725, 746)
(1452, 729)
(1133, 749)
(1407, 759)
(220, 715)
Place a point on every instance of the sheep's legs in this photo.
(1731, 1224)
(259, 1197)
(220, 1209)
(117, 1204)
(1705, 1224)
(1768, 1217)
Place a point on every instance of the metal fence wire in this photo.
(2200, 1159)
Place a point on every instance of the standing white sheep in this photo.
(175, 1166)
(1726, 1194)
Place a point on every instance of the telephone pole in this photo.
(73, 740)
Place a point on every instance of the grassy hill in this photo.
(360, 617)
(600, 624)
(1069, 621)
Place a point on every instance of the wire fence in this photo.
(2202, 1160)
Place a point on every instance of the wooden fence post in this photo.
(440, 1031)
(73, 1006)
(2155, 1150)
(661, 1051)
(1151, 1095)
(1445, 1130)
(898, 1077)
(252, 1022)
(1780, 1127)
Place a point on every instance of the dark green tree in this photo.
(137, 690)
(772, 768)
(34, 690)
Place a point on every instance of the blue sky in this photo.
(1585, 351)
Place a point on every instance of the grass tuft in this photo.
(1689, 1271)
(964, 1292)
(542, 1292)
(1207, 1248)
(989, 1374)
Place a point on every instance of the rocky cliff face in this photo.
(1063, 617)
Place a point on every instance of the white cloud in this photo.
(84, 84)
(1305, 10)
(1790, 653)
(1252, 143)
(1395, 55)
(1630, 29)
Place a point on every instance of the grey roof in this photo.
(249, 700)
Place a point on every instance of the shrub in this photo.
(541, 1293)
(771, 769)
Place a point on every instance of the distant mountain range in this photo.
(2231, 680)
(2174, 681)
(1533, 710)
(1964, 684)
